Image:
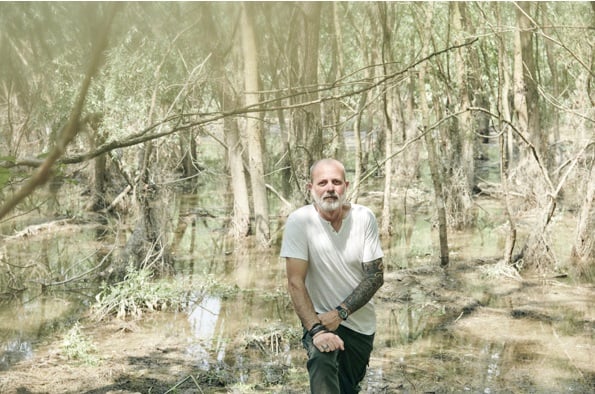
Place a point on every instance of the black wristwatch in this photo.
(343, 313)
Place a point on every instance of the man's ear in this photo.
(309, 186)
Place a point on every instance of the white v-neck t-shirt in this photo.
(334, 258)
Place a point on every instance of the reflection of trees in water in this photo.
(13, 352)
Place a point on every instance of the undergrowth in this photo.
(77, 346)
(137, 293)
(141, 292)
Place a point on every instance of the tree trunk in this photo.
(147, 246)
(306, 139)
(583, 250)
(98, 197)
(386, 58)
(224, 93)
(240, 224)
(504, 95)
(465, 128)
(462, 165)
(189, 158)
(506, 141)
(253, 127)
(525, 76)
(433, 163)
(332, 108)
(313, 130)
(359, 165)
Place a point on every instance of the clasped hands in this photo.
(328, 341)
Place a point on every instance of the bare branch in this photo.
(70, 129)
(189, 120)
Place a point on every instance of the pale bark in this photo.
(526, 96)
(465, 128)
(385, 223)
(386, 58)
(583, 250)
(504, 94)
(253, 127)
(240, 225)
(306, 138)
(240, 222)
(431, 149)
(332, 109)
(355, 188)
(313, 129)
(506, 142)
(520, 99)
(462, 155)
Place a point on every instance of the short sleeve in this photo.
(373, 248)
(295, 241)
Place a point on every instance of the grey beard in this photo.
(328, 206)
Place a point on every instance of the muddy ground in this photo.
(479, 332)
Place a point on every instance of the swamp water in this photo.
(459, 330)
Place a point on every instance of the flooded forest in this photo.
(150, 153)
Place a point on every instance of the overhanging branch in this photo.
(71, 128)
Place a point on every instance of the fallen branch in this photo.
(36, 229)
(174, 388)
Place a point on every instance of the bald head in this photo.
(326, 163)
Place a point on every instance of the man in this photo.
(334, 266)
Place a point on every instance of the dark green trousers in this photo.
(341, 371)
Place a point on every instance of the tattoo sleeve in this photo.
(373, 280)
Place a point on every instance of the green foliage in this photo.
(76, 346)
(136, 294)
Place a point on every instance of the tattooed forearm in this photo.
(374, 278)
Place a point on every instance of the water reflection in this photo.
(422, 344)
(437, 337)
(204, 320)
(14, 351)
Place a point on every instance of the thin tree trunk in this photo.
(465, 129)
(313, 131)
(333, 108)
(511, 234)
(253, 127)
(386, 58)
(240, 222)
(520, 99)
(189, 159)
(306, 139)
(355, 190)
(432, 156)
(504, 95)
(240, 226)
(583, 250)
(385, 226)
(98, 199)
(525, 76)
(463, 161)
